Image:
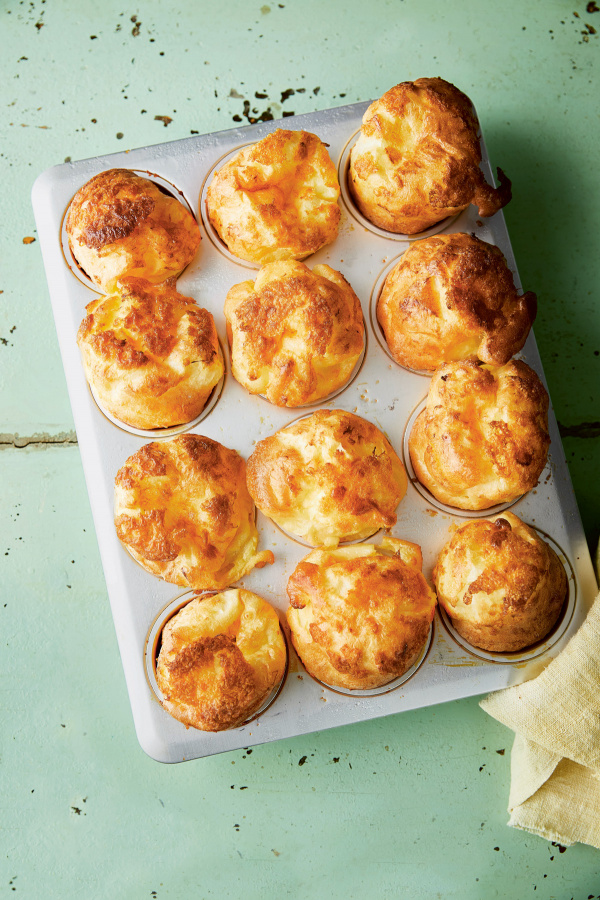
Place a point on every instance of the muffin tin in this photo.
(381, 391)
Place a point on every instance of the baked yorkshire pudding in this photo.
(276, 199)
(453, 297)
(360, 616)
(502, 586)
(327, 478)
(220, 658)
(150, 354)
(295, 335)
(121, 224)
(483, 437)
(183, 511)
(417, 159)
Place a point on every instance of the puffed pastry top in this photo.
(326, 478)
(220, 658)
(501, 584)
(276, 199)
(295, 335)
(452, 297)
(121, 224)
(360, 615)
(150, 354)
(417, 159)
(183, 511)
(483, 437)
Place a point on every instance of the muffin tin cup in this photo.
(380, 391)
(80, 274)
(161, 434)
(152, 650)
(140, 563)
(374, 321)
(430, 498)
(541, 647)
(392, 685)
(210, 229)
(298, 538)
(351, 206)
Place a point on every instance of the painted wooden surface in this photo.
(407, 806)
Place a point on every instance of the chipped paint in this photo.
(583, 430)
(39, 439)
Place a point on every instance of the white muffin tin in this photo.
(380, 391)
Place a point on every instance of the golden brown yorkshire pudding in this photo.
(452, 297)
(360, 615)
(295, 335)
(276, 199)
(220, 658)
(121, 224)
(502, 586)
(327, 478)
(417, 159)
(150, 354)
(183, 511)
(483, 437)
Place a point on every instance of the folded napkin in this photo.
(555, 760)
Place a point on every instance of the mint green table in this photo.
(411, 806)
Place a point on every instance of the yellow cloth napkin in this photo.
(555, 760)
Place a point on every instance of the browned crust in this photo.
(483, 437)
(359, 621)
(453, 297)
(276, 199)
(151, 354)
(220, 657)
(118, 221)
(417, 160)
(330, 477)
(120, 224)
(109, 207)
(236, 684)
(295, 335)
(183, 510)
(501, 584)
